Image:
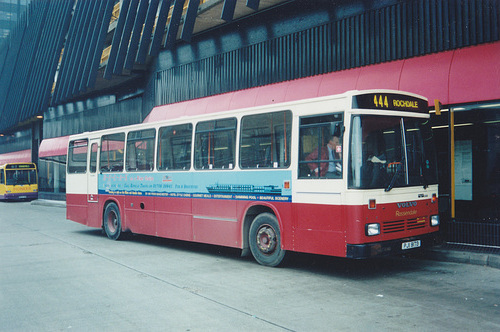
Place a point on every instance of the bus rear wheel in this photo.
(112, 221)
(265, 240)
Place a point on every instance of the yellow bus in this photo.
(18, 181)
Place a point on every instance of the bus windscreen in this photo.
(18, 177)
(388, 151)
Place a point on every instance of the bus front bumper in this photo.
(20, 196)
(392, 247)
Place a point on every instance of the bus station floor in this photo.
(465, 254)
(61, 275)
(445, 252)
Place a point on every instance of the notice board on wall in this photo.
(463, 170)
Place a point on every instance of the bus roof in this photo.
(186, 111)
(284, 93)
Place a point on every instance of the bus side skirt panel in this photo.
(76, 208)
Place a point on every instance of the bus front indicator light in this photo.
(372, 229)
(434, 198)
(372, 204)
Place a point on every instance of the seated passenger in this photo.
(330, 165)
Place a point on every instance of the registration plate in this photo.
(410, 245)
(23, 197)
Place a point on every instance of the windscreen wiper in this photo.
(423, 177)
(394, 177)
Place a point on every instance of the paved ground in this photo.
(59, 275)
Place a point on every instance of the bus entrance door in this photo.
(92, 193)
(318, 215)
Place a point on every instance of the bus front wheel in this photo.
(265, 240)
(112, 221)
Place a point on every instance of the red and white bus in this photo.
(350, 175)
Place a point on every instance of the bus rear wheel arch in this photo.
(112, 222)
(265, 240)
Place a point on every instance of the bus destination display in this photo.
(390, 101)
(20, 166)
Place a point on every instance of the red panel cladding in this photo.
(173, 205)
(285, 218)
(318, 217)
(319, 229)
(463, 75)
(303, 89)
(173, 218)
(381, 76)
(16, 157)
(220, 208)
(320, 242)
(215, 222)
(475, 74)
(166, 112)
(221, 103)
(338, 82)
(355, 223)
(243, 98)
(76, 208)
(427, 76)
(271, 94)
(198, 106)
(94, 214)
(174, 226)
(140, 214)
(219, 232)
(57, 146)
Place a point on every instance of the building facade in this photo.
(101, 72)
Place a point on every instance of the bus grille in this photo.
(402, 225)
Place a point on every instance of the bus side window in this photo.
(215, 144)
(112, 148)
(77, 156)
(140, 150)
(93, 158)
(320, 146)
(1, 177)
(265, 140)
(174, 147)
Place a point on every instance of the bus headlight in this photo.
(372, 229)
(435, 220)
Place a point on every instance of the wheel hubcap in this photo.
(112, 222)
(266, 239)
